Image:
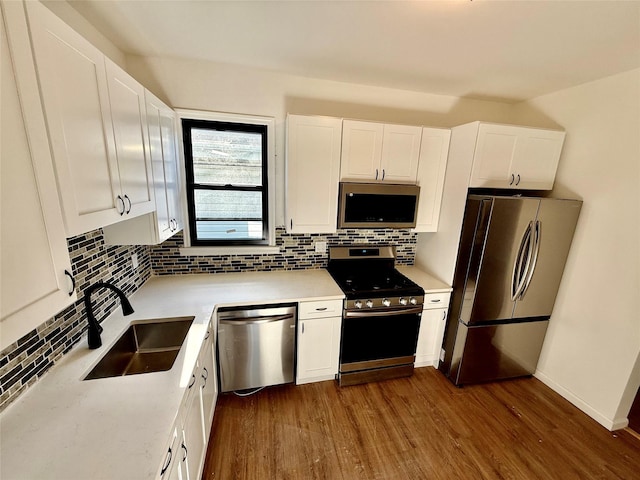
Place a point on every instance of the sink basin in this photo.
(146, 346)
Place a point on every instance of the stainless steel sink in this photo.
(146, 346)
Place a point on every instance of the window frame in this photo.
(193, 246)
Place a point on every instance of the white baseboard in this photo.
(609, 424)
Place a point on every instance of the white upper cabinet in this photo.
(434, 150)
(92, 113)
(166, 220)
(129, 119)
(376, 152)
(33, 247)
(312, 173)
(508, 156)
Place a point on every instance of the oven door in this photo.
(379, 340)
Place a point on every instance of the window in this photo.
(226, 173)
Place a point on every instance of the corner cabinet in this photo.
(35, 280)
(319, 325)
(312, 173)
(96, 126)
(166, 219)
(508, 156)
(434, 318)
(432, 166)
(377, 152)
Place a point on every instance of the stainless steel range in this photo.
(381, 316)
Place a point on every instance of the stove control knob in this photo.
(369, 304)
(413, 301)
(386, 302)
(403, 301)
(358, 303)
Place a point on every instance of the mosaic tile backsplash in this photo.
(297, 252)
(22, 363)
(29, 358)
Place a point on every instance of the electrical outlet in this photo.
(321, 247)
(134, 260)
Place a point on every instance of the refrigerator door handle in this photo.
(534, 260)
(520, 265)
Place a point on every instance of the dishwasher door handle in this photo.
(255, 320)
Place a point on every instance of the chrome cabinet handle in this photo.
(73, 282)
(164, 468)
(120, 199)
(128, 200)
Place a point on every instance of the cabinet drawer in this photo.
(436, 300)
(321, 308)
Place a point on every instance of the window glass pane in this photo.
(228, 230)
(228, 205)
(226, 157)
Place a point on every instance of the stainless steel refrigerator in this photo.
(510, 262)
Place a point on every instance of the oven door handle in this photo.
(383, 313)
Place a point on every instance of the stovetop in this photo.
(368, 272)
(371, 284)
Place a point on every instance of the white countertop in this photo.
(118, 428)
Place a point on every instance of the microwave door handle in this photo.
(534, 260)
(520, 266)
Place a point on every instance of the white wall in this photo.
(226, 88)
(593, 339)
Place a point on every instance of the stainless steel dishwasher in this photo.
(256, 346)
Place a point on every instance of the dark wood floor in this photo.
(415, 428)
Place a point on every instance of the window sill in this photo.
(215, 251)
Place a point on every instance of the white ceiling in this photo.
(507, 50)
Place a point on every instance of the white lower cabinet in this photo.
(434, 317)
(186, 454)
(319, 325)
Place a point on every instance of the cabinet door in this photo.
(536, 161)
(361, 151)
(127, 105)
(318, 349)
(171, 168)
(208, 385)
(75, 97)
(432, 165)
(494, 155)
(193, 435)
(313, 165)
(430, 337)
(33, 247)
(400, 152)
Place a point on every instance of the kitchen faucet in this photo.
(95, 329)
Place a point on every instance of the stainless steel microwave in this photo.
(377, 205)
